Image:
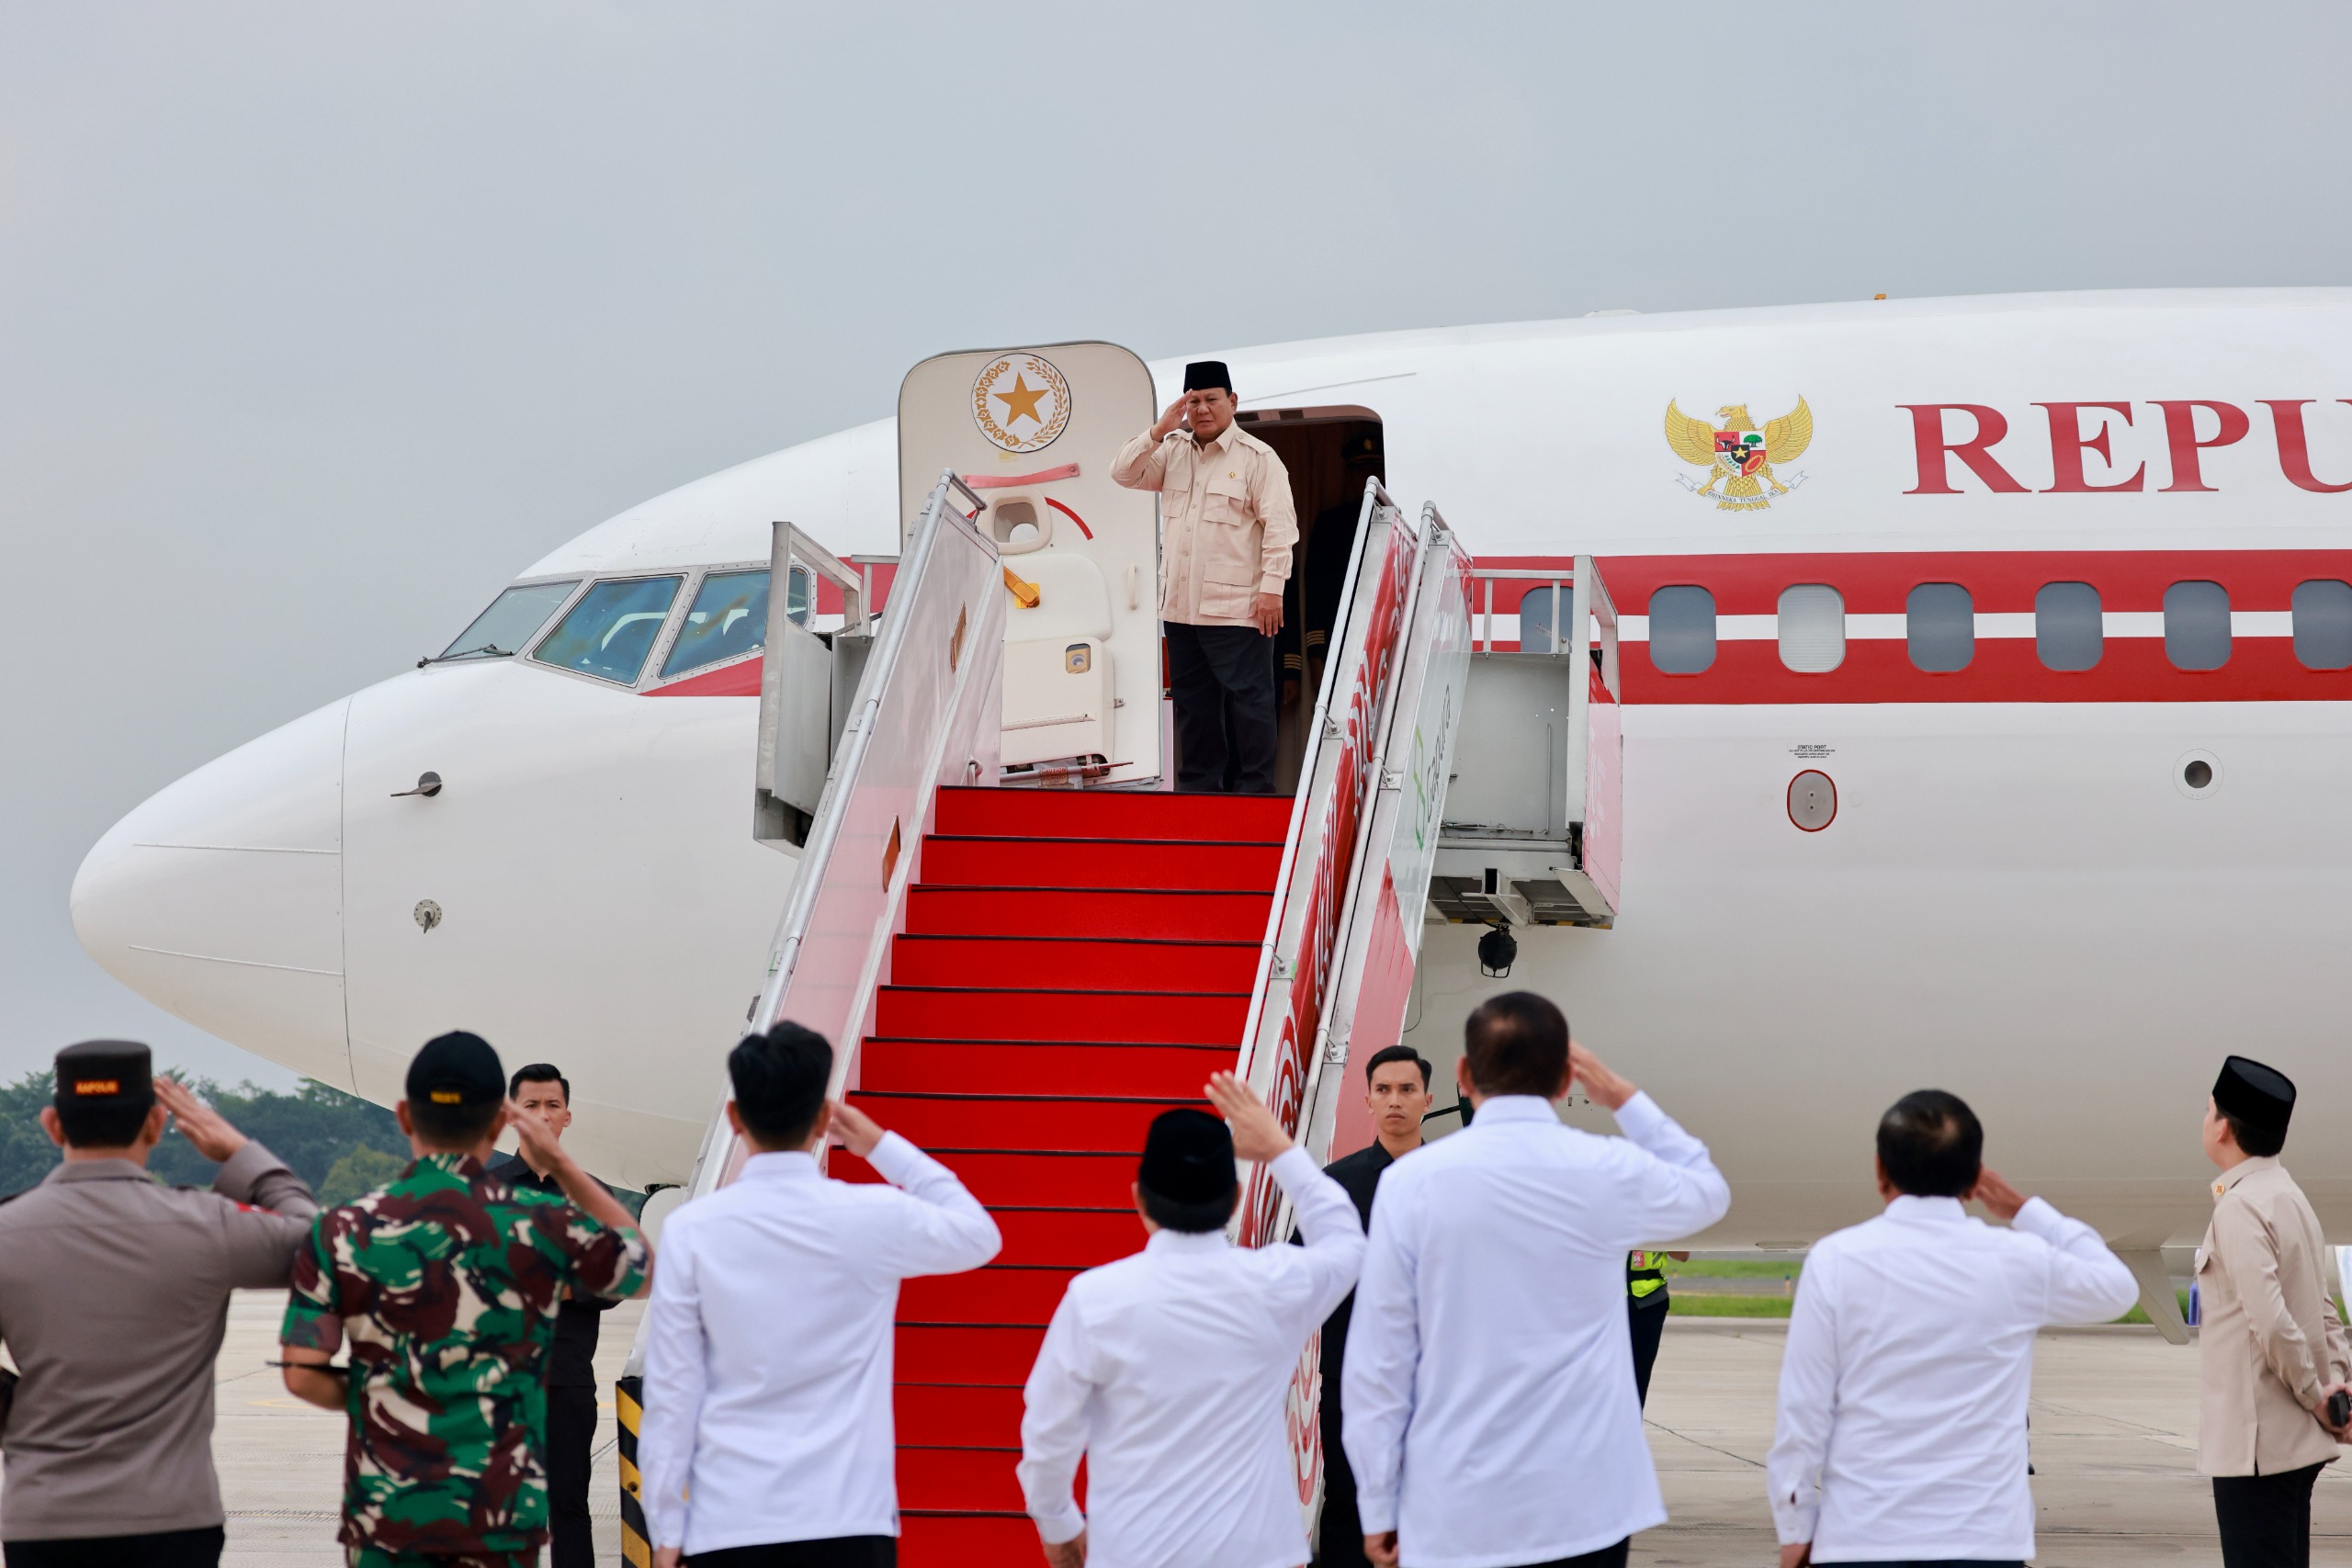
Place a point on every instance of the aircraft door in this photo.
(1036, 431)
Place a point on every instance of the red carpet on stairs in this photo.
(1074, 963)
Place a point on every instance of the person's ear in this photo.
(735, 1121)
(1135, 1189)
(824, 1125)
(153, 1131)
(400, 1115)
(52, 1125)
(1462, 1079)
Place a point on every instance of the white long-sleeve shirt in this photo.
(767, 1357)
(1489, 1382)
(1902, 1429)
(1169, 1370)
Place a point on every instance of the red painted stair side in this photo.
(1074, 963)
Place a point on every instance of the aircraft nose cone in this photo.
(220, 898)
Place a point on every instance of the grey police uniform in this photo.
(114, 1296)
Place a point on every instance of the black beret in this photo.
(1187, 1157)
(457, 1068)
(106, 1072)
(2263, 1097)
(1202, 374)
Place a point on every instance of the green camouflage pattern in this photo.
(446, 1283)
(377, 1557)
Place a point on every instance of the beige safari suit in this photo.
(114, 1295)
(1229, 525)
(2270, 1338)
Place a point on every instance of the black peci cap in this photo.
(106, 1072)
(2263, 1097)
(1187, 1157)
(457, 1068)
(1201, 374)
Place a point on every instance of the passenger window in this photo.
(1536, 618)
(729, 617)
(612, 628)
(2197, 625)
(1813, 628)
(512, 620)
(1941, 620)
(1682, 630)
(2069, 628)
(2323, 625)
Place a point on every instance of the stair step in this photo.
(1070, 961)
(966, 1541)
(994, 1294)
(1018, 1123)
(1037, 1180)
(1066, 1238)
(933, 1415)
(966, 1353)
(1226, 915)
(963, 1480)
(1113, 814)
(1097, 862)
(983, 1067)
(982, 1013)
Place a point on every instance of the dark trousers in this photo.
(2266, 1519)
(1937, 1563)
(1648, 1319)
(838, 1551)
(167, 1548)
(571, 1432)
(1338, 1535)
(1607, 1557)
(1222, 679)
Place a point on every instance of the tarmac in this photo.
(2114, 1419)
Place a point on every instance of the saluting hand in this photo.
(1256, 1135)
(854, 1130)
(1605, 1087)
(1170, 424)
(2003, 1200)
(201, 1125)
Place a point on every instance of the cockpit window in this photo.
(729, 617)
(512, 620)
(612, 628)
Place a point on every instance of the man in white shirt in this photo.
(1491, 1416)
(1902, 1435)
(1169, 1370)
(767, 1440)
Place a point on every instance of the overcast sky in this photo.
(318, 323)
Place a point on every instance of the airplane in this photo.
(1985, 675)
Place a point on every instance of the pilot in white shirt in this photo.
(767, 1366)
(1489, 1388)
(1170, 1369)
(1902, 1434)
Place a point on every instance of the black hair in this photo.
(2258, 1142)
(538, 1072)
(1195, 1218)
(452, 1126)
(1931, 1145)
(114, 1125)
(1517, 1044)
(779, 1080)
(1388, 1053)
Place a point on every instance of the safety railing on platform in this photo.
(922, 718)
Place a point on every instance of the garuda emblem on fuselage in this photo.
(1740, 455)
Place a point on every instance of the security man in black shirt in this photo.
(542, 1090)
(1397, 1091)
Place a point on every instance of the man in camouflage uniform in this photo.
(446, 1283)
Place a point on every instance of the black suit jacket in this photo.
(1359, 1175)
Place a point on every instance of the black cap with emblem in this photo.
(457, 1070)
(2263, 1097)
(1205, 375)
(1187, 1157)
(106, 1072)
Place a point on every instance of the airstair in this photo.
(1020, 976)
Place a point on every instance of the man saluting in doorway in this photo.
(1227, 530)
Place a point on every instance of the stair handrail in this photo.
(921, 591)
(1274, 1055)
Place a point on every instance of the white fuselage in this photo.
(2017, 899)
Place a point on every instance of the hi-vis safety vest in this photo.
(1645, 1274)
